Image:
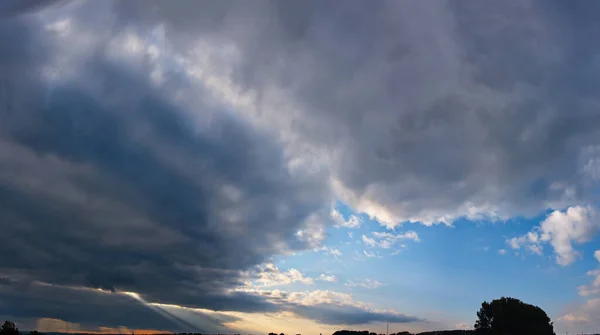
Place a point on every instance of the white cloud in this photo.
(409, 235)
(352, 222)
(577, 225)
(587, 315)
(463, 326)
(270, 275)
(574, 318)
(502, 251)
(350, 234)
(584, 318)
(368, 283)
(536, 249)
(369, 254)
(328, 278)
(330, 251)
(368, 241)
(386, 240)
(594, 287)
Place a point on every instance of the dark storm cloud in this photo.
(107, 183)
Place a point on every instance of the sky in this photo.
(299, 167)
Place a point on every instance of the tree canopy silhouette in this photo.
(512, 316)
(9, 328)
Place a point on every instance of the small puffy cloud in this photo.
(335, 252)
(368, 283)
(502, 251)
(463, 326)
(368, 241)
(328, 278)
(594, 287)
(576, 225)
(536, 249)
(369, 254)
(409, 235)
(329, 251)
(352, 222)
(270, 275)
(574, 318)
(386, 240)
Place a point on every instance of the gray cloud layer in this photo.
(425, 111)
(110, 186)
(421, 111)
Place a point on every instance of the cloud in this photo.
(330, 307)
(270, 275)
(152, 144)
(387, 240)
(594, 287)
(345, 315)
(561, 229)
(91, 308)
(497, 124)
(586, 318)
(116, 181)
(330, 251)
(369, 283)
(328, 278)
(368, 241)
(586, 315)
(15, 7)
(369, 254)
(352, 222)
(463, 325)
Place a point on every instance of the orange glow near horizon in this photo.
(57, 325)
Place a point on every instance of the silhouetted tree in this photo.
(9, 328)
(512, 316)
